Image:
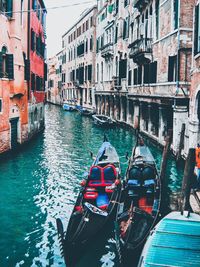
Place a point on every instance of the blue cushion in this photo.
(109, 173)
(95, 174)
(149, 182)
(133, 182)
(102, 199)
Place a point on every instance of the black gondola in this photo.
(95, 206)
(139, 205)
(103, 120)
(86, 112)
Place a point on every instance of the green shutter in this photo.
(9, 8)
(10, 66)
(27, 69)
(1, 65)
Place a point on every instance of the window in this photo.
(89, 72)
(80, 50)
(6, 6)
(34, 5)
(197, 30)
(91, 43)
(176, 13)
(116, 34)
(172, 69)
(129, 77)
(33, 82)
(157, 18)
(32, 40)
(6, 64)
(123, 68)
(0, 105)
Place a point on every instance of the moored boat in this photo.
(69, 105)
(103, 120)
(138, 209)
(175, 241)
(86, 112)
(95, 205)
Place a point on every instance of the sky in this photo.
(61, 19)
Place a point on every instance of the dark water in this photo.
(41, 182)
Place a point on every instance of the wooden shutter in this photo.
(196, 30)
(10, 66)
(1, 65)
(45, 71)
(123, 68)
(89, 72)
(27, 70)
(9, 8)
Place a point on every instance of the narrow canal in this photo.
(41, 182)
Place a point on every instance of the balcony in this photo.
(141, 50)
(140, 4)
(107, 50)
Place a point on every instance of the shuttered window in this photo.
(27, 69)
(123, 68)
(7, 7)
(197, 30)
(176, 13)
(6, 66)
(0, 105)
(129, 77)
(32, 40)
(153, 72)
(45, 71)
(172, 69)
(32, 81)
(89, 72)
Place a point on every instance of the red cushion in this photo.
(90, 195)
(103, 207)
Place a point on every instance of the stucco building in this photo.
(79, 46)
(18, 61)
(194, 122)
(143, 66)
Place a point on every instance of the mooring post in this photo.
(188, 179)
(181, 143)
(165, 154)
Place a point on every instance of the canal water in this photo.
(41, 182)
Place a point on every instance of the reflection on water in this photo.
(41, 183)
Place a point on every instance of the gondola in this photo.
(86, 112)
(95, 206)
(103, 120)
(139, 205)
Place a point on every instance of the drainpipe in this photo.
(28, 47)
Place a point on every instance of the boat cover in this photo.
(175, 242)
(143, 151)
(107, 154)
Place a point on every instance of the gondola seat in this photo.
(102, 201)
(149, 185)
(90, 193)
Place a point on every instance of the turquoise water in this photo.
(41, 182)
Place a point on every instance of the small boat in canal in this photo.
(103, 120)
(175, 241)
(139, 205)
(95, 206)
(69, 106)
(86, 112)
